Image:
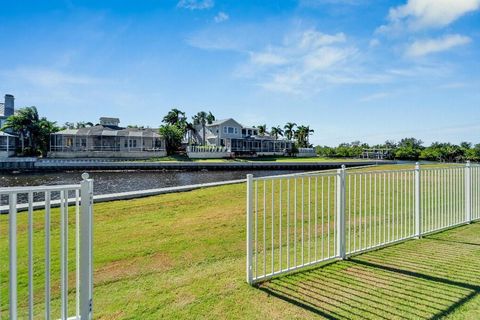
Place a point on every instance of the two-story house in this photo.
(241, 139)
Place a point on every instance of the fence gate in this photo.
(299, 220)
(48, 273)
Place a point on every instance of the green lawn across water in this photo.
(183, 158)
(182, 256)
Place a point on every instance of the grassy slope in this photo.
(182, 256)
(179, 158)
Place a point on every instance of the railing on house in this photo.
(306, 150)
(299, 220)
(212, 149)
(56, 253)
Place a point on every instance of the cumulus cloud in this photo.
(195, 4)
(221, 17)
(421, 14)
(424, 47)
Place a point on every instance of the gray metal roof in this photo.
(4, 134)
(100, 130)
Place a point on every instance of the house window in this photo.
(132, 143)
(255, 132)
(224, 129)
(236, 130)
(83, 142)
(230, 130)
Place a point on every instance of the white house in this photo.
(107, 140)
(241, 139)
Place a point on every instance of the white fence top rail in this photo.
(39, 189)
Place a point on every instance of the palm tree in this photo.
(175, 117)
(202, 118)
(190, 128)
(31, 128)
(302, 136)
(210, 117)
(83, 124)
(23, 123)
(308, 132)
(289, 132)
(262, 130)
(276, 131)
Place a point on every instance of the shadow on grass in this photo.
(427, 279)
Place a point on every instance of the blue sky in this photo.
(351, 69)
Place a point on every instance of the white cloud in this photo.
(375, 96)
(421, 14)
(50, 78)
(267, 58)
(196, 4)
(374, 43)
(317, 3)
(221, 17)
(306, 62)
(423, 47)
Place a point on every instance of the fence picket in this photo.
(384, 207)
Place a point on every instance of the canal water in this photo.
(120, 181)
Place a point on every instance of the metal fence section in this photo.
(58, 254)
(299, 220)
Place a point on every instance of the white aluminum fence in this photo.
(299, 220)
(59, 256)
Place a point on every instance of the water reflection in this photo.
(122, 181)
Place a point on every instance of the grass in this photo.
(184, 158)
(180, 256)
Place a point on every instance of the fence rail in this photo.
(295, 221)
(54, 252)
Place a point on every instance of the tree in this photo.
(276, 131)
(190, 128)
(34, 131)
(173, 136)
(409, 149)
(289, 130)
(83, 124)
(175, 117)
(262, 130)
(202, 118)
(302, 136)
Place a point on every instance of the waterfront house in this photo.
(107, 140)
(241, 140)
(8, 144)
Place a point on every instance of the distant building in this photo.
(7, 108)
(377, 153)
(107, 140)
(240, 139)
(8, 141)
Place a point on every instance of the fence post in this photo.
(341, 212)
(86, 247)
(12, 244)
(249, 228)
(468, 192)
(418, 209)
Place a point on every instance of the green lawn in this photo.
(180, 256)
(182, 158)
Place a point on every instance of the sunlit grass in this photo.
(180, 256)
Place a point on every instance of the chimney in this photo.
(9, 105)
